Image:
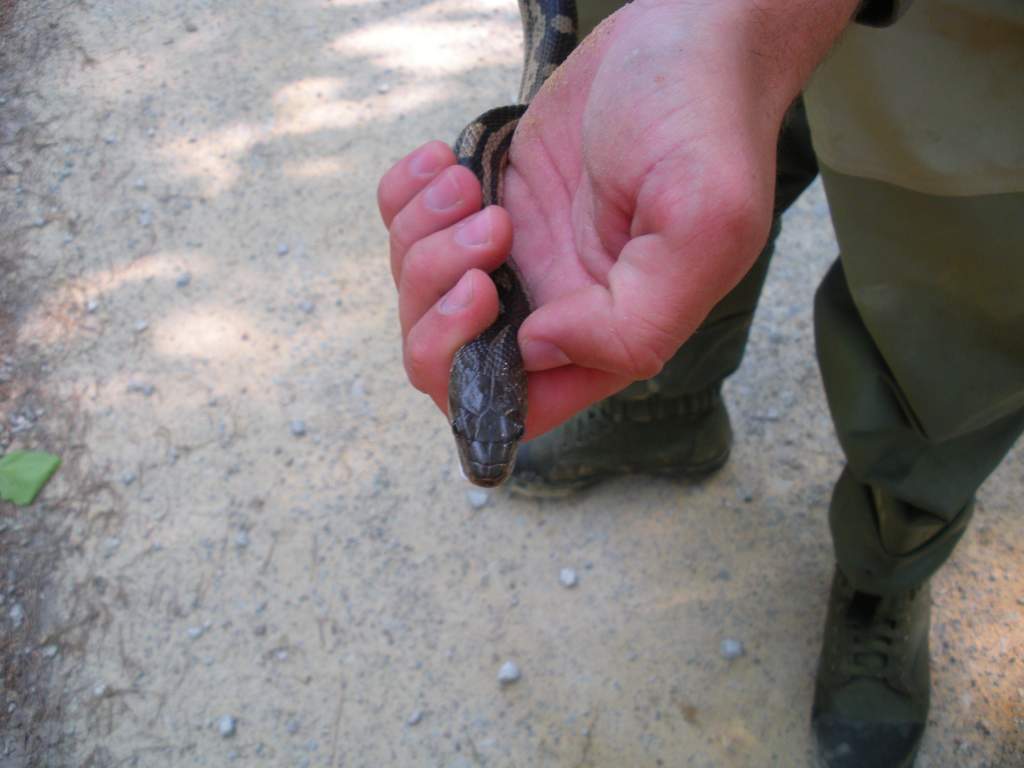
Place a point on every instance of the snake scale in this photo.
(487, 384)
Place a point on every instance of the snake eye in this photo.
(515, 419)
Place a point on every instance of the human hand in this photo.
(639, 188)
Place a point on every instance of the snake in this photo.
(487, 392)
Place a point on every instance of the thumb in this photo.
(630, 326)
(657, 293)
(686, 251)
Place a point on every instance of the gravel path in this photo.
(259, 550)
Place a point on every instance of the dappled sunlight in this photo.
(213, 159)
(416, 58)
(424, 43)
(333, 165)
(53, 319)
(304, 107)
(313, 103)
(213, 332)
(163, 264)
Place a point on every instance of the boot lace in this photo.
(599, 420)
(876, 639)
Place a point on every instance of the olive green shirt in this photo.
(933, 103)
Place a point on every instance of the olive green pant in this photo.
(920, 339)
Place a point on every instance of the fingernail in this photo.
(442, 194)
(542, 355)
(425, 162)
(459, 297)
(476, 230)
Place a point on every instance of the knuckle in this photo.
(414, 266)
(383, 202)
(388, 195)
(418, 360)
(398, 240)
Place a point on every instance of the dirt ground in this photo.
(259, 550)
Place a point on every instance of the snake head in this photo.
(487, 407)
(487, 462)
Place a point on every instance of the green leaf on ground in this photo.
(24, 473)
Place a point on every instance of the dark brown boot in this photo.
(872, 690)
(683, 437)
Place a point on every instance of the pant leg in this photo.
(920, 338)
(590, 13)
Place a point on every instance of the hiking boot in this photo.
(681, 437)
(872, 689)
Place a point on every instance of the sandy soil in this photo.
(259, 549)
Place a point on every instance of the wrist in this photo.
(761, 51)
(779, 43)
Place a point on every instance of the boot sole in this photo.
(820, 761)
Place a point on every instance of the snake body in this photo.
(487, 384)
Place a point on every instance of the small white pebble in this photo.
(568, 578)
(183, 280)
(195, 632)
(298, 427)
(383, 88)
(509, 673)
(282, 249)
(731, 648)
(415, 718)
(477, 498)
(140, 184)
(99, 691)
(242, 539)
(17, 615)
(227, 726)
(91, 306)
(127, 478)
(141, 326)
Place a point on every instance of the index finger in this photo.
(406, 178)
